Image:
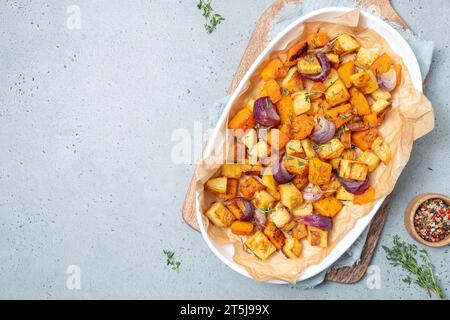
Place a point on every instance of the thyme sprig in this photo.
(405, 255)
(171, 260)
(213, 19)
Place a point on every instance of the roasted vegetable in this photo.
(333, 76)
(381, 95)
(317, 237)
(379, 106)
(360, 79)
(273, 90)
(365, 58)
(328, 207)
(263, 200)
(250, 138)
(344, 195)
(345, 44)
(268, 180)
(286, 109)
(381, 64)
(301, 102)
(305, 209)
(334, 59)
(275, 235)
(331, 149)
(291, 197)
(292, 248)
(260, 150)
(242, 120)
(355, 170)
(370, 158)
(249, 187)
(243, 228)
(231, 170)
(273, 70)
(296, 165)
(277, 139)
(309, 64)
(265, 114)
(337, 93)
(294, 148)
(364, 139)
(340, 115)
(218, 185)
(279, 216)
(346, 139)
(302, 126)
(300, 182)
(260, 245)
(295, 52)
(345, 71)
(359, 102)
(299, 231)
(319, 171)
(232, 189)
(382, 150)
(219, 215)
(317, 40)
(293, 81)
(372, 85)
(324, 130)
(367, 197)
(308, 148)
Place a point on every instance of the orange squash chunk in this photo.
(364, 139)
(367, 196)
(242, 120)
(249, 187)
(381, 64)
(243, 228)
(273, 90)
(359, 102)
(273, 70)
(340, 115)
(319, 172)
(286, 109)
(345, 71)
(302, 126)
(317, 40)
(328, 206)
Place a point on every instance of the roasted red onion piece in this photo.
(324, 130)
(260, 219)
(264, 113)
(354, 186)
(280, 174)
(387, 81)
(248, 208)
(312, 193)
(326, 68)
(316, 220)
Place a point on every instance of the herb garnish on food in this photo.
(404, 255)
(212, 18)
(171, 260)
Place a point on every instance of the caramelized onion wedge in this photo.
(326, 68)
(316, 220)
(324, 130)
(264, 113)
(354, 186)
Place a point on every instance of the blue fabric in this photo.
(423, 50)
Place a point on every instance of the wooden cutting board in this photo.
(257, 43)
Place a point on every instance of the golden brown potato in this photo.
(218, 185)
(292, 248)
(329, 206)
(231, 170)
(355, 170)
(219, 215)
(370, 158)
(382, 150)
(260, 245)
(291, 197)
(275, 235)
(344, 195)
(263, 200)
(365, 58)
(317, 237)
(337, 93)
(331, 149)
(279, 216)
(345, 44)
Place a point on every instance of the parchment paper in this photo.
(411, 117)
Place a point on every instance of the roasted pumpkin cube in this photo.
(344, 195)
(249, 187)
(272, 89)
(382, 64)
(367, 196)
(317, 39)
(364, 139)
(275, 235)
(293, 81)
(382, 150)
(263, 200)
(242, 228)
(289, 226)
(286, 110)
(365, 58)
(300, 182)
(381, 95)
(294, 148)
(329, 206)
(295, 52)
(319, 171)
(359, 102)
(302, 126)
(296, 165)
(316, 91)
(242, 120)
(299, 231)
(301, 102)
(340, 115)
(279, 216)
(317, 237)
(331, 149)
(345, 44)
(218, 185)
(346, 138)
(273, 70)
(260, 245)
(335, 162)
(232, 189)
(349, 169)
(370, 158)
(219, 215)
(345, 71)
(337, 93)
(275, 194)
(379, 106)
(308, 147)
(360, 79)
(277, 139)
(292, 248)
(231, 170)
(332, 77)
(372, 85)
(309, 64)
(291, 197)
(305, 209)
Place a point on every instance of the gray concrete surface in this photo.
(86, 178)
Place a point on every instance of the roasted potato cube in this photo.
(305, 209)
(260, 245)
(317, 237)
(277, 139)
(365, 58)
(309, 65)
(333, 76)
(319, 171)
(330, 188)
(293, 81)
(250, 138)
(236, 209)
(334, 59)
(382, 150)
(268, 179)
(294, 148)
(291, 197)
(289, 226)
(219, 215)
(379, 106)
(345, 44)
(296, 165)
(360, 79)
(279, 216)
(292, 248)
(349, 154)
(344, 195)
(231, 170)
(299, 231)
(275, 235)
(260, 150)
(370, 158)
(263, 200)
(337, 93)
(249, 187)
(273, 70)
(218, 185)
(355, 170)
(301, 102)
(317, 39)
(252, 168)
(308, 148)
(232, 189)
(370, 86)
(381, 95)
(335, 162)
(242, 228)
(328, 206)
(331, 149)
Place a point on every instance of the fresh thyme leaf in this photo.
(285, 92)
(212, 18)
(310, 60)
(404, 255)
(267, 210)
(345, 115)
(171, 260)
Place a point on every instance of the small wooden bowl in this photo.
(410, 212)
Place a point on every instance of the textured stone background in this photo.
(86, 178)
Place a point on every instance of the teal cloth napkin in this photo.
(423, 50)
